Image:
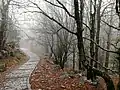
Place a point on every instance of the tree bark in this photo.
(108, 41)
(74, 57)
(3, 28)
(79, 23)
(92, 31)
(98, 30)
(105, 76)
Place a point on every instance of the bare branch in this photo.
(58, 23)
(99, 45)
(101, 65)
(65, 9)
(114, 46)
(86, 25)
(110, 25)
(53, 4)
(51, 18)
(62, 6)
(105, 9)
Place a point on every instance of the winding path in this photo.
(19, 78)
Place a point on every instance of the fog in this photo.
(27, 21)
(24, 21)
(79, 34)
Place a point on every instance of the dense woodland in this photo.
(80, 34)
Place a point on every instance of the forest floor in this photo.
(48, 76)
(12, 63)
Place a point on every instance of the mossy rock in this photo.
(2, 67)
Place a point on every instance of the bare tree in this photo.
(118, 12)
(98, 28)
(78, 17)
(108, 41)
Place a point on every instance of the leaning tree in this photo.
(118, 52)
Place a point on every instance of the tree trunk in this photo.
(102, 57)
(108, 41)
(79, 23)
(118, 58)
(105, 76)
(107, 53)
(98, 30)
(3, 28)
(92, 37)
(64, 59)
(118, 12)
(73, 57)
(92, 31)
(118, 86)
